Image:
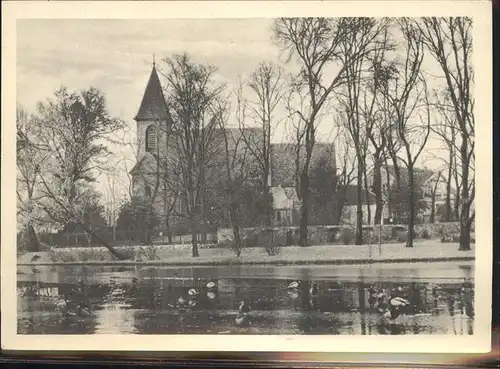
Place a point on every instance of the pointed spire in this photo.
(153, 105)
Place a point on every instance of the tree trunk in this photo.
(367, 193)
(389, 192)
(447, 205)
(237, 239)
(33, 242)
(433, 207)
(411, 207)
(113, 252)
(359, 207)
(397, 173)
(304, 208)
(268, 206)
(194, 238)
(465, 224)
(377, 188)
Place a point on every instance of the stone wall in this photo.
(339, 235)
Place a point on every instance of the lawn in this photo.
(324, 254)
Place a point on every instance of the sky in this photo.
(116, 56)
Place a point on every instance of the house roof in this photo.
(350, 193)
(283, 161)
(153, 105)
(420, 175)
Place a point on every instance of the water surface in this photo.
(324, 299)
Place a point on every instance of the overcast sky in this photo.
(116, 55)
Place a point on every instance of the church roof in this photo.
(153, 105)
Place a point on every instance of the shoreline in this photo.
(270, 261)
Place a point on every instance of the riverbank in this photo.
(180, 255)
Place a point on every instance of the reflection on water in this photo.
(280, 300)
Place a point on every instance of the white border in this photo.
(478, 343)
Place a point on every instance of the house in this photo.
(430, 185)
(157, 145)
(348, 196)
(286, 201)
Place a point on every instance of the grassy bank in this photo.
(425, 251)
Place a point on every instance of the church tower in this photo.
(153, 119)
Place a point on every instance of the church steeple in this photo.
(153, 105)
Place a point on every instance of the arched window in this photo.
(151, 139)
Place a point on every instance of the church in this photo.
(152, 181)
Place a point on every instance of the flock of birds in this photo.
(389, 304)
(389, 307)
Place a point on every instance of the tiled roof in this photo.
(283, 161)
(421, 176)
(153, 105)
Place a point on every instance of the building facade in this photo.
(154, 178)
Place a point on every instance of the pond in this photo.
(331, 300)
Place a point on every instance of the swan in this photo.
(210, 284)
(193, 292)
(293, 285)
(395, 303)
(398, 301)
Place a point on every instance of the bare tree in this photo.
(267, 84)
(191, 95)
(316, 44)
(73, 128)
(30, 159)
(433, 197)
(406, 95)
(237, 158)
(345, 171)
(449, 40)
(447, 132)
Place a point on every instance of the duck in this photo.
(181, 301)
(294, 294)
(381, 301)
(313, 292)
(193, 292)
(211, 295)
(243, 307)
(63, 308)
(35, 258)
(83, 312)
(35, 270)
(211, 285)
(241, 319)
(117, 292)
